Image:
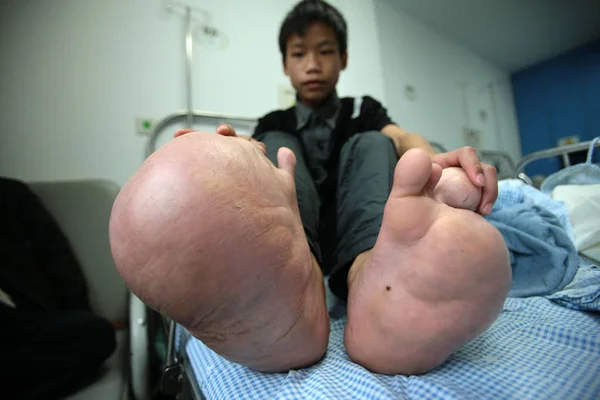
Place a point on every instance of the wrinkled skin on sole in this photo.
(208, 233)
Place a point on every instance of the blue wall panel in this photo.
(558, 98)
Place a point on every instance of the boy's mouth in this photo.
(313, 85)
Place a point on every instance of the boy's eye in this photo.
(327, 52)
(297, 54)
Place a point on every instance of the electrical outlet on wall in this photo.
(472, 137)
(144, 125)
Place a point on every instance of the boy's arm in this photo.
(404, 140)
(374, 117)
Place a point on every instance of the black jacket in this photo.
(355, 116)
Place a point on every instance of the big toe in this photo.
(411, 209)
(414, 173)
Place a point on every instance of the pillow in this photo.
(583, 202)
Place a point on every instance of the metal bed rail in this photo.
(498, 155)
(188, 118)
(499, 159)
(552, 152)
(170, 381)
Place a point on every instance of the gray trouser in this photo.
(343, 216)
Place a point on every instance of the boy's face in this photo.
(313, 62)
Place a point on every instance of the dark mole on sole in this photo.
(387, 288)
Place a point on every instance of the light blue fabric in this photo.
(535, 350)
(583, 293)
(515, 191)
(542, 256)
(539, 235)
(580, 174)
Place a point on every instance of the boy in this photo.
(342, 220)
(229, 237)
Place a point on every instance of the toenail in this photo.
(387, 288)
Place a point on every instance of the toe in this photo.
(412, 173)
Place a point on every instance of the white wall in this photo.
(243, 78)
(452, 85)
(76, 73)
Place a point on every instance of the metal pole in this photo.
(171, 355)
(189, 57)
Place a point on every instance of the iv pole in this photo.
(189, 57)
(188, 114)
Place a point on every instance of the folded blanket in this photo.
(583, 292)
(514, 191)
(542, 256)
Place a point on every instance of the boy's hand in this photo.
(226, 130)
(481, 175)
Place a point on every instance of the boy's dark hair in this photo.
(305, 14)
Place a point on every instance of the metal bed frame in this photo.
(562, 151)
(495, 155)
(189, 117)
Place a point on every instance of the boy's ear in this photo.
(344, 60)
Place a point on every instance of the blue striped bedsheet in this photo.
(535, 350)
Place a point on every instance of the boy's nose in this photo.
(313, 64)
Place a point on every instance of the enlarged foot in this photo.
(208, 233)
(436, 278)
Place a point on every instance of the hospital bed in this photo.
(536, 349)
